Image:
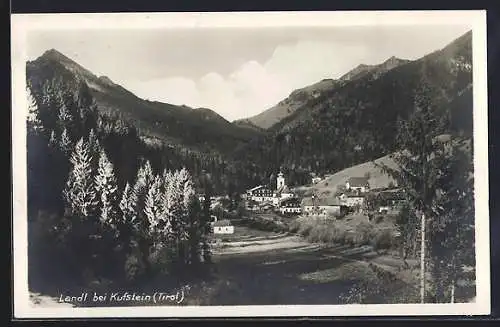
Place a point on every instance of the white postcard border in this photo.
(23, 23)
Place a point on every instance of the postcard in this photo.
(250, 164)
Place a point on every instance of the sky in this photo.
(237, 72)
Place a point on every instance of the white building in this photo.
(352, 200)
(321, 206)
(263, 193)
(290, 206)
(357, 184)
(260, 194)
(223, 227)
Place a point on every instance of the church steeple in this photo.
(280, 181)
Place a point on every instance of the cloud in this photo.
(238, 73)
(255, 87)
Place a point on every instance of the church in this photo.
(282, 191)
(263, 193)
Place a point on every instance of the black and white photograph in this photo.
(250, 164)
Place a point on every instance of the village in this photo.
(355, 196)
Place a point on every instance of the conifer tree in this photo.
(153, 209)
(53, 139)
(80, 193)
(65, 118)
(189, 216)
(106, 188)
(33, 119)
(144, 179)
(174, 210)
(452, 230)
(127, 206)
(143, 182)
(205, 227)
(66, 144)
(94, 142)
(415, 171)
(129, 225)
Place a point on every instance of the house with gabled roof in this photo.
(357, 184)
(322, 206)
(290, 205)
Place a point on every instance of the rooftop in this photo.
(255, 188)
(321, 202)
(283, 189)
(221, 223)
(357, 181)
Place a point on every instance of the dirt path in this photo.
(267, 268)
(263, 268)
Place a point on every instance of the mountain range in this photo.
(322, 127)
(200, 128)
(300, 97)
(339, 123)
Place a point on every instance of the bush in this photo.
(383, 240)
(363, 234)
(133, 268)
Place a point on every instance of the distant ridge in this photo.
(299, 97)
(177, 125)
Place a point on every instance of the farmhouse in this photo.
(290, 206)
(357, 184)
(388, 200)
(352, 200)
(223, 227)
(322, 206)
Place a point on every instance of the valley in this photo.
(304, 214)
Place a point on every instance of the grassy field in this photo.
(329, 184)
(254, 267)
(353, 230)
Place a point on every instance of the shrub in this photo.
(383, 240)
(305, 229)
(133, 267)
(363, 234)
(294, 227)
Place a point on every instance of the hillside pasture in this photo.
(328, 186)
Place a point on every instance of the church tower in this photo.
(280, 181)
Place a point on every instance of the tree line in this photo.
(92, 221)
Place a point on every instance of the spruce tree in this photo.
(174, 211)
(66, 144)
(53, 139)
(33, 119)
(106, 188)
(80, 194)
(94, 142)
(452, 231)
(205, 226)
(129, 225)
(415, 171)
(153, 209)
(65, 117)
(128, 204)
(143, 182)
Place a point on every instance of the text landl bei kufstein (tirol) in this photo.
(124, 297)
